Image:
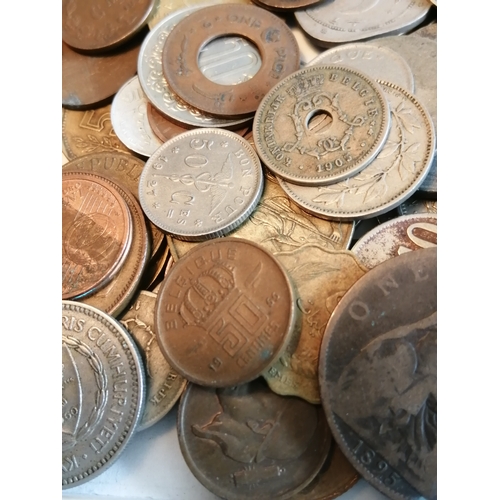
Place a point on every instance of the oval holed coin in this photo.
(277, 46)
(102, 391)
(225, 312)
(201, 184)
(378, 374)
(247, 443)
(321, 124)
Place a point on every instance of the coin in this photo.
(285, 5)
(102, 24)
(96, 233)
(162, 127)
(377, 374)
(275, 42)
(248, 443)
(390, 179)
(201, 184)
(428, 188)
(417, 205)
(102, 391)
(225, 312)
(355, 126)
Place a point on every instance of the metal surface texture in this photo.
(285, 5)
(417, 205)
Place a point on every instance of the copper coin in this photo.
(225, 312)
(274, 40)
(91, 80)
(102, 24)
(247, 443)
(96, 233)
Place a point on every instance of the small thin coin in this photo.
(103, 388)
(321, 124)
(225, 312)
(201, 184)
(96, 233)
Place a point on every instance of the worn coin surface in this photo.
(354, 129)
(201, 184)
(285, 5)
(163, 385)
(417, 205)
(225, 312)
(390, 179)
(277, 46)
(102, 391)
(96, 232)
(378, 375)
(247, 443)
(102, 24)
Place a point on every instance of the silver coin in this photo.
(340, 21)
(378, 62)
(417, 205)
(390, 179)
(102, 391)
(129, 118)
(395, 237)
(201, 184)
(155, 86)
(429, 185)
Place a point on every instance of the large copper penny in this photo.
(247, 443)
(275, 42)
(102, 24)
(225, 312)
(96, 233)
(378, 375)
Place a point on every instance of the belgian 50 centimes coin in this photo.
(378, 374)
(225, 312)
(201, 184)
(354, 128)
(102, 391)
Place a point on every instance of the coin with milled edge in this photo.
(225, 312)
(354, 116)
(201, 184)
(378, 375)
(102, 391)
(395, 174)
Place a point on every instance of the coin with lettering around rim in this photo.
(103, 388)
(96, 233)
(357, 122)
(247, 443)
(201, 184)
(378, 374)
(225, 312)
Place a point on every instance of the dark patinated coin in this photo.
(248, 443)
(378, 371)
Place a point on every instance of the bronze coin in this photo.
(96, 233)
(92, 80)
(247, 443)
(102, 24)
(377, 373)
(274, 40)
(225, 312)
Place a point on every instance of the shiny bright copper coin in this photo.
(275, 42)
(102, 24)
(225, 312)
(96, 233)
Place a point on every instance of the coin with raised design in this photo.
(417, 205)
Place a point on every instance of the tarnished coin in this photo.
(417, 205)
(163, 385)
(102, 24)
(285, 5)
(354, 127)
(390, 179)
(377, 62)
(130, 119)
(225, 312)
(429, 31)
(341, 21)
(96, 232)
(395, 237)
(278, 49)
(247, 443)
(378, 375)
(102, 391)
(201, 184)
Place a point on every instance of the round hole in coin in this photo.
(319, 120)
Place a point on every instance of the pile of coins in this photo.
(250, 238)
